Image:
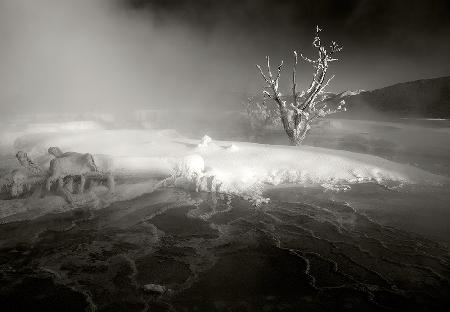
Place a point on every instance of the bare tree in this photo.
(308, 105)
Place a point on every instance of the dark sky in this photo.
(385, 41)
(78, 55)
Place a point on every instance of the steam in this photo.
(73, 56)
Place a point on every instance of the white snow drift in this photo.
(240, 168)
(233, 167)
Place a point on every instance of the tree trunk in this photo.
(297, 136)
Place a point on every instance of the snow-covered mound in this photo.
(312, 165)
(236, 164)
(240, 168)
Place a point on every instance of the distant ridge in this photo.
(425, 98)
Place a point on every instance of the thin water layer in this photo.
(214, 252)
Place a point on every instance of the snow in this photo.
(232, 148)
(269, 164)
(204, 142)
(240, 168)
(351, 92)
(160, 152)
(190, 165)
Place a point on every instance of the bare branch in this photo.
(334, 47)
(295, 108)
(318, 84)
(325, 110)
(278, 74)
(279, 69)
(316, 42)
(262, 74)
(269, 71)
(326, 84)
(294, 78)
(272, 84)
(307, 59)
(321, 90)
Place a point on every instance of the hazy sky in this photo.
(75, 55)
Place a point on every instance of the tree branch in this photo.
(262, 74)
(268, 68)
(318, 83)
(273, 84)
(294, 78)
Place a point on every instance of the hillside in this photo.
(426, 98)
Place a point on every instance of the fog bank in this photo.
(73, 56)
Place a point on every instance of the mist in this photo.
(73, 56)
(115, 56)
